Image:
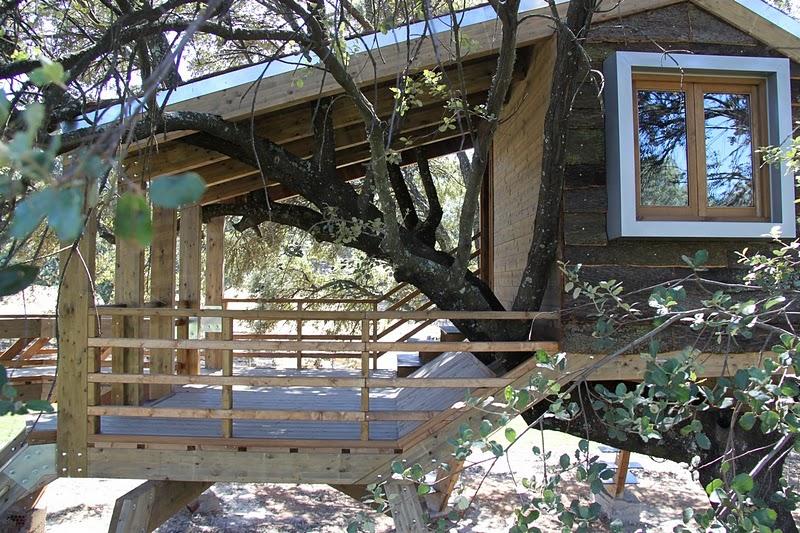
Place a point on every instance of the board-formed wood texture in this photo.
(240, 467)
(638, 263)
(128, 292)
(516, 172)
(73, 355)
(214, 279)
(190, 233)
(162, 291)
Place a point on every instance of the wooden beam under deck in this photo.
(241, 467)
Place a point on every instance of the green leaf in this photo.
(176, 191)
(485, 428)
(16, 277)
(769, 419)
(65, 214)
(747, 421)
(39, 405)
(702, 440)
(423, 489)
(716, 484)
(774, 301)
(49, 72)
(564, 461)
(700, 258)
(30, 212)
(511, 434)
(742, 483)
(688, 513)
(132, 219)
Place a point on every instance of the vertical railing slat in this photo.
(227, 370)
(365, 374)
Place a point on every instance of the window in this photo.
(696, 149)
(682, 139)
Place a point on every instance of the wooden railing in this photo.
(397, 298)
(226, 412)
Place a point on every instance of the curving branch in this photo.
(427, 230)
(403, 196)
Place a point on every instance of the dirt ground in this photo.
(663, 488)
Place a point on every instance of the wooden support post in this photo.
(26, 515)
(299, 336)
(215, 278)
(128, 292)
(190, 233)
(623, 459)
(365, 374)
(75, 295)
(447, 479)
(227, 370)
(162, 292)
(406, 506)
(152, 503)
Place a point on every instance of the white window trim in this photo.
(618, 70)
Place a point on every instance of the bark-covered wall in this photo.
(637, 262)
(516, 171)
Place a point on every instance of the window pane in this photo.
(662, 148)
(729, 149)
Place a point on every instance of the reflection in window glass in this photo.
(729, 150)
(662, 148)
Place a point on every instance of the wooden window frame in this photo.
(694, 88)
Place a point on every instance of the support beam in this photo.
(406, 506)
(75, 295)
(162, 291)
(189, 233)
(447, 479)
(623, 460)
(357, 492)
(28, 515)
(152, 503)
(128, 292)
(215, 279)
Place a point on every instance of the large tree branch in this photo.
(427, 230)
(504, 74)
(403, 196)
(569, 65)
(254, 211)
(320, 43)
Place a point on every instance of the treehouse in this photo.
(149, 387)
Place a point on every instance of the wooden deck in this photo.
(297, 399)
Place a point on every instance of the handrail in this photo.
(302, 300)
(254, 314)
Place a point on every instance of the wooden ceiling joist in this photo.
(294, 125)
(234, 189)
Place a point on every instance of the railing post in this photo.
(365, 375)
(299, 336)
(375, 355)
(93, 391)
(227, 370)
(73, 352)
